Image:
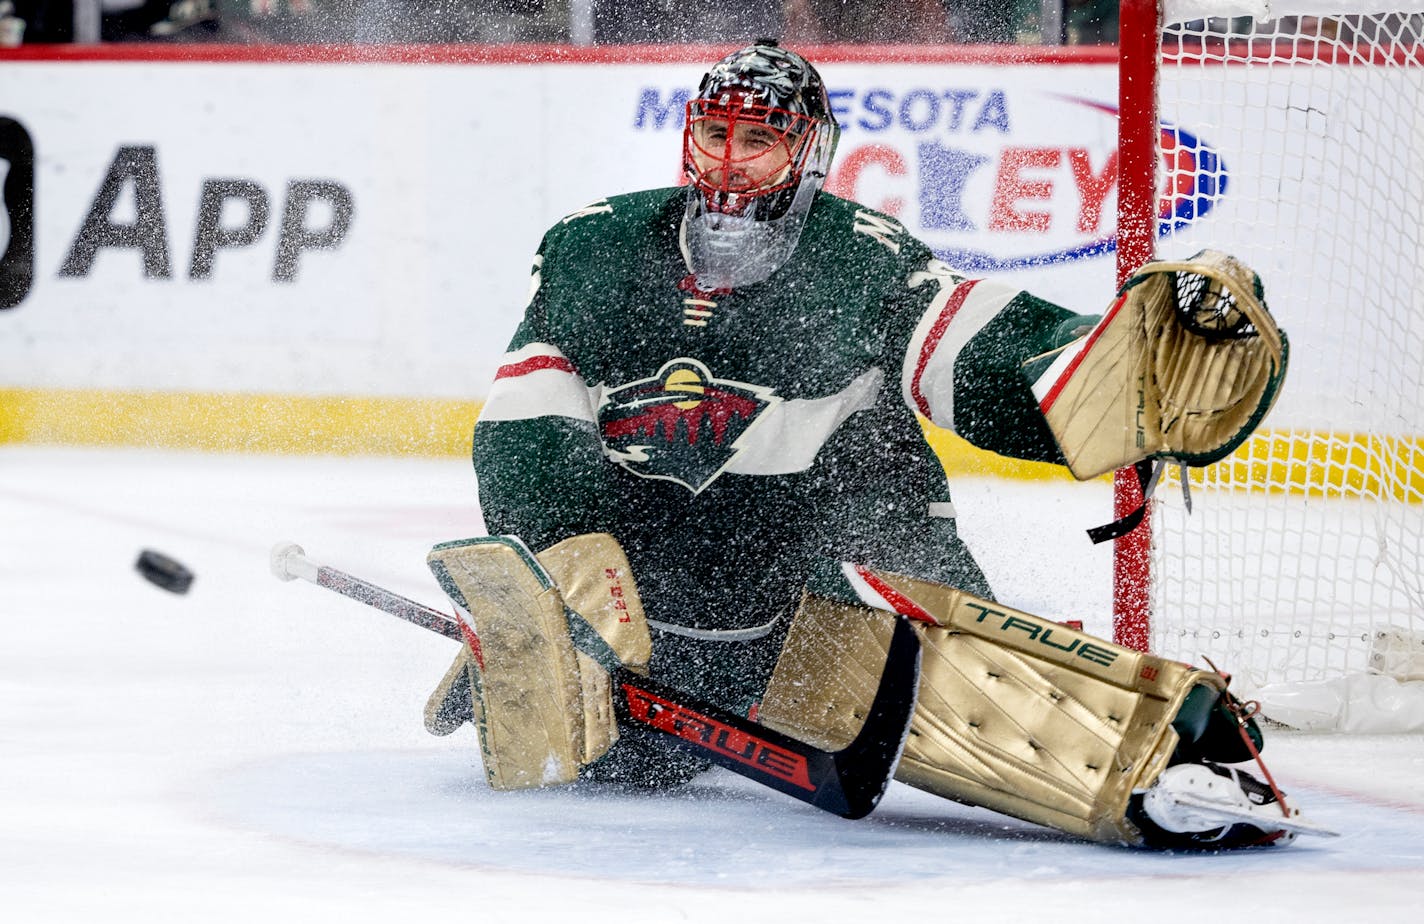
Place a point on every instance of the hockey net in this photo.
(1291, 136)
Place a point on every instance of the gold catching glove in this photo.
(1183, 367)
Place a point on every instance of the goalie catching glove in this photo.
(1182, 368)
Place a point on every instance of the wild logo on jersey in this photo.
(682, 424)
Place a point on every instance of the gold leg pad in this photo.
(1015, 713)
(528, 684)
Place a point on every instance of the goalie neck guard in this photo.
(758, 141)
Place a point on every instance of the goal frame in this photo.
(1139, 59)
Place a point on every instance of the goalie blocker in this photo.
(1015, 713)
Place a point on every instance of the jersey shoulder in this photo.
(621, 216)
(608, 242)
(864, 234)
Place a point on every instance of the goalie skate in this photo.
(1213, 804)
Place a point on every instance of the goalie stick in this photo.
(848, 782)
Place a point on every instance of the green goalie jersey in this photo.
(731, 439)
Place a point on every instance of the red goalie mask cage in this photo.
(735, 150)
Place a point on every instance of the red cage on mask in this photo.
(736, 150)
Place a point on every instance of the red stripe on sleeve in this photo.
(534, 364)
(941, 324)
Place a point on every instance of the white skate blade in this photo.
(1191, 798)
(1267, 817)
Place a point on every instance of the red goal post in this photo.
(1289, 134)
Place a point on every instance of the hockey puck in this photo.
(159, 569)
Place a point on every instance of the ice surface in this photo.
(253, 750)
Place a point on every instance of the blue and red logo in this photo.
(1010, 205)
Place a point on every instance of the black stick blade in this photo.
(848, 782)
(866, 765)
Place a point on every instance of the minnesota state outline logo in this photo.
(681, 424)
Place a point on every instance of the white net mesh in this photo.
(1296, 145)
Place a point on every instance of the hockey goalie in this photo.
(702, 460)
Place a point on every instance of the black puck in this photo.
(159, 569)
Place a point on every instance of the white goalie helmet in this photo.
(757, 145)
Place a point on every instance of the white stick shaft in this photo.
(289, 562)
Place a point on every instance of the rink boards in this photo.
(328, 251)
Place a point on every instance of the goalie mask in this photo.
(756, 147)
